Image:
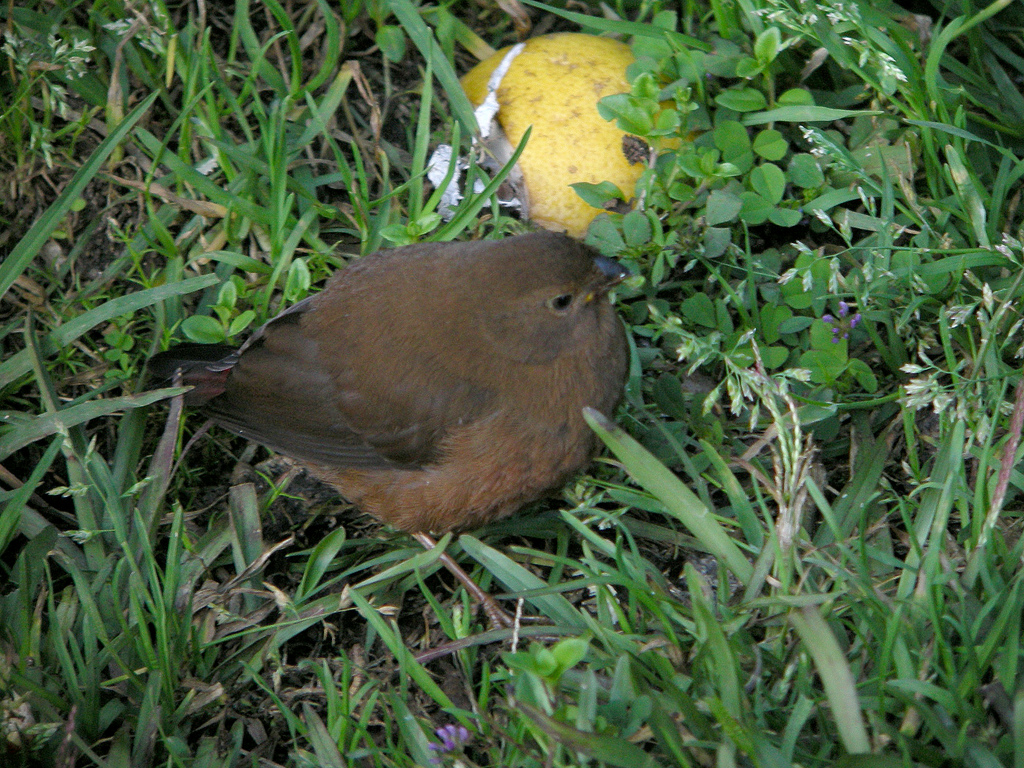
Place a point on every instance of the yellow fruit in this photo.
(554, 85)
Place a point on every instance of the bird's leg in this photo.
(498, 616)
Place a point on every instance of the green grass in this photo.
(804, 543)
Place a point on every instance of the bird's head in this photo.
(551, 297)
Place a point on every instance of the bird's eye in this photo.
(560, 303)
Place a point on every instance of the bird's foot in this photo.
(498, 616)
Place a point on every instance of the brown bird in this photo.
(437, 386)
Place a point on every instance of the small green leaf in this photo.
(716, 241)
(769, 181)
(690, 164)
(666, 123)
(569, 652)
(825, 368)
(805, 172)
(772, 317)
(794, 324)
(755, 209)
(668, 395)
(785, 217)
(223, 313)
(699, 309)
(734, 142)
(795, 97)
(667, 20)
(544, 661)
(742, 100)
(240, 323)
(724, 318)
(862, 372)
(398, 234)
(726, 170)
(627, 112)
(426, 222)
(770, 144)
(203, 329)
(795, 296)
(636, 228)
(766, 47)
(682, 191)
(227, 295)
(596, 195)
(774, 357)
(722, 207)
(646, 87)
(605, 236)
(645, 47)
(299, 280)
(748, 68)
(391, 41)
(831, 198)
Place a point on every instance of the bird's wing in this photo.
(305, 400)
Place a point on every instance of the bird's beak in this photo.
(614, 274)
(614, 271)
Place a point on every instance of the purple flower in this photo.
(842, 325)
(453, 738)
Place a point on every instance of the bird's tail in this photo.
(204, 367)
